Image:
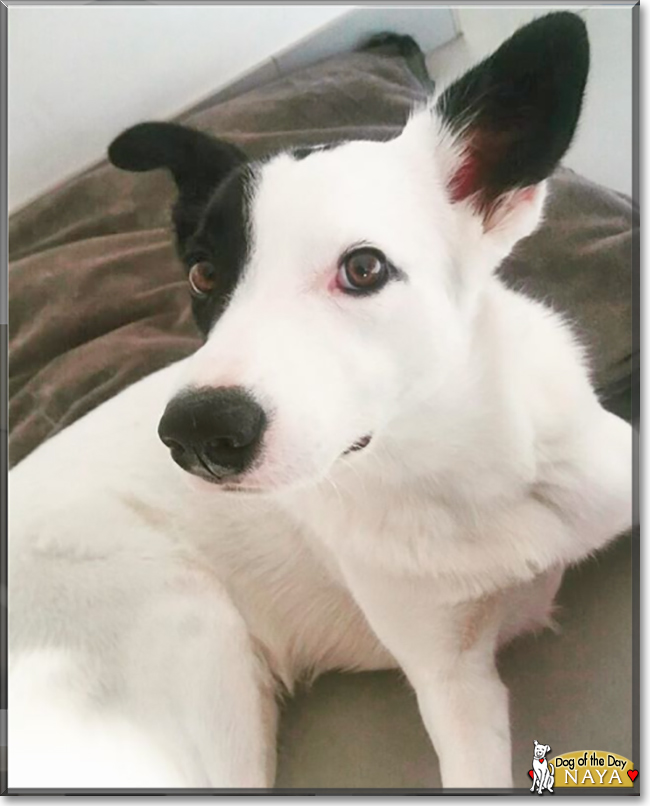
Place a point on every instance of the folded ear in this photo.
(198, 163)
(512, 117)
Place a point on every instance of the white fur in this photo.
(153, 616)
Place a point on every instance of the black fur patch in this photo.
(210, 214)
(197, 161)
(301, 152)
(516, 112)
(222, 238)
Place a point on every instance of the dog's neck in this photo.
(479, 429)
(483, 436)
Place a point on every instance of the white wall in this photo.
(79, 74)
(602, 148)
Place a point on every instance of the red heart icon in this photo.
(632, 774)
(532, 774)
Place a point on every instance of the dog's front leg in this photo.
(448, 654)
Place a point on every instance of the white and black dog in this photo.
(386, 457)
(543, 772)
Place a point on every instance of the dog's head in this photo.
(541, 750)
(337, 288)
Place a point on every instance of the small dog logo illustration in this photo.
(543, 773)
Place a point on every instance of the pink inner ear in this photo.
(464, 181)
(526, 195)
(507, 204)
(484, 150)
(467, 181)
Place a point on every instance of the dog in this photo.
(543, 772)
(380, 457)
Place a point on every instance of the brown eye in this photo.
(202, 278)
(363, 271)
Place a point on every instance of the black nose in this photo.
(214, 433)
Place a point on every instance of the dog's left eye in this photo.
(202, 278)
(363, 271)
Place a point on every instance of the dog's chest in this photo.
(399, 530)
(472, 550)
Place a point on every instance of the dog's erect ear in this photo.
(535, 740)
(197, 162)
(513, 115)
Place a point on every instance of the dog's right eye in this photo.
(202, 278)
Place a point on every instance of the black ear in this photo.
(197, 162)
(515, 113)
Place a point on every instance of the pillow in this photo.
(580, 261)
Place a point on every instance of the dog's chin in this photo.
(204, 483)
(258, 482)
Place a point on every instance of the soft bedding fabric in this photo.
(97, 301)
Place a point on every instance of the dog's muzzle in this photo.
(214, 433)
